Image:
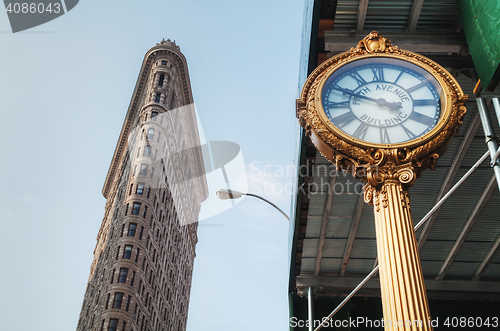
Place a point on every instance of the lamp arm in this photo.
(269, 202)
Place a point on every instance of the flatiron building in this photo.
(140, 277)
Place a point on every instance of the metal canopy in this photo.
(334, 245)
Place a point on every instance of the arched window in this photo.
(153, 115)
(158, 96)
(151, 134)
(162, 78)
(147, 151)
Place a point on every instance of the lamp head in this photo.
(225, 194)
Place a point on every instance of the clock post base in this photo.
(404, 298)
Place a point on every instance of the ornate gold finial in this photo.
(375, 43)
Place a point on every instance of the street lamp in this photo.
(225, 194)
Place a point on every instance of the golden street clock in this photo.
(379, 98)
(384, 115)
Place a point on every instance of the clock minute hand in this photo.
(357, 95)
(380, 101)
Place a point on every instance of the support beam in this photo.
(363, 7)
(352, 233)
(496, 105)
(324, 225)
(489, 134)
(348, 283)
(452, 42)
(414, 15)
(448, 181)
(488, 191)
(487, 259)
(310, 308)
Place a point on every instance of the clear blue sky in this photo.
(65, 88)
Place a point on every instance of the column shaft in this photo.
(404, 299)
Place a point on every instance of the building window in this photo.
(164, 63)
(151, 134)
(140, 233)
(152, 172)
(112, 276)
(162, 78)
(140, 188)
(132, 278)
(127, 252)
(122, 278)
(131, 229)
(128, 303)
(135, 208)
(158, 96)
(126, 210)
(107, 301)
(113, 324)
(117, 252)
(153, 115)
(145, 211)
(144, 169)
(147, 151)
(118, 300)
(137, 255)
(149, 191)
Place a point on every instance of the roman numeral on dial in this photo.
(344, 119)
(360, 131)
(399, 76)
(358, 78)
(378, 74)
(331, 104)
(410, 134)
(384, 136)
(413, 88)
(421, 118)
(425, 102)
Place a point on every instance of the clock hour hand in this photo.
(381, 101)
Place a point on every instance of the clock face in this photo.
(382, 100)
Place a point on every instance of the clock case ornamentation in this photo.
(373, 162)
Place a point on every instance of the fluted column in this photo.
(404, 299)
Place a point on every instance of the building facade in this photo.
(140, 277)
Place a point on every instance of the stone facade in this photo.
(140, 277)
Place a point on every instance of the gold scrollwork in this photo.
(375, 43)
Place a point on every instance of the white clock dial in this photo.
(382, 100)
